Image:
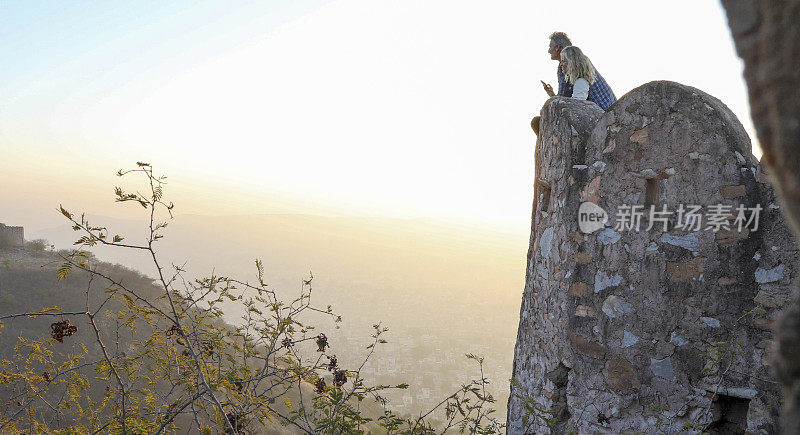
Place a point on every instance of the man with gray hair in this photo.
(599, 91)
(558, 40)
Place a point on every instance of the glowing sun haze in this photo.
(362, 107)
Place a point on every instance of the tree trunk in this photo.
(767, 37)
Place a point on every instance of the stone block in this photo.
(730, 192)
(628, 339)
(586, 347)
(577, 289)
(620, 375)
(603, 280)
(771, 299)
(763, 323)
(615, 306)
(591, 192)
(584, 311)
(731, 236)
(685, 271)
(639, 136)
(581, 257)
(662, 368)
(769, 275)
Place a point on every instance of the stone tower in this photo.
(650, 329)
(11, 236)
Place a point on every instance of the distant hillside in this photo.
(29, 283)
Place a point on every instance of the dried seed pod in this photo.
(339, 377)
(322, 343)
(59, 330)
(173, 330)
(332, 363)
(320, 385)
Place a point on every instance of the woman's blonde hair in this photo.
(578, 65)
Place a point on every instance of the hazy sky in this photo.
(393, 108)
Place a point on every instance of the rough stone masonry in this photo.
(650, 330)
(11, 236)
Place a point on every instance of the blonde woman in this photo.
(586, 84)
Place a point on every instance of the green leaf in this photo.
(65, 212)
(64, 271)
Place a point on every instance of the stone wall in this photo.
(11, 236)
(646, 330)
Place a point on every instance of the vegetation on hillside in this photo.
(97, 348)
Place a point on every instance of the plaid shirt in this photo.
(599, 91)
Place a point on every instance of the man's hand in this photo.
(548, 89)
